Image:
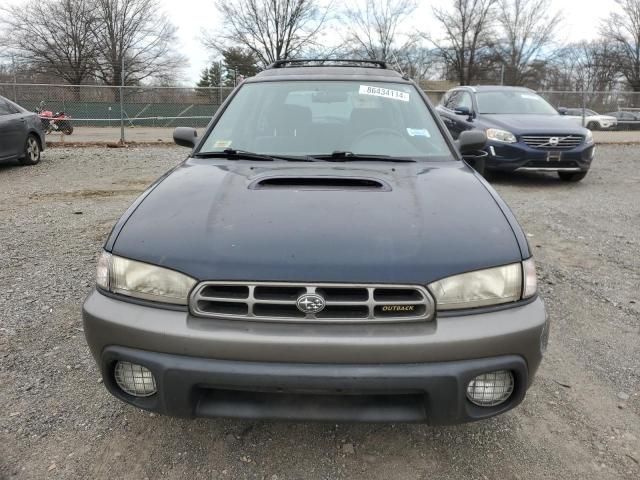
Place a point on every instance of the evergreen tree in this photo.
(212, 76)
(239, 63)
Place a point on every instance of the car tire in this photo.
(593, 126)
(32, 151)
(572, 176)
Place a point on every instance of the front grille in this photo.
(548, 142)
(343, 303)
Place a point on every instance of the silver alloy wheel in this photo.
(33, 149)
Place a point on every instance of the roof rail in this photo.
(323, 62)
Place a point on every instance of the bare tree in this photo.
(271, 29)
(590, 66)
(138, 32)
(527, 31)
(623, 28)
(467, 33)
(374, 28)
(53, 37)
(420, 63)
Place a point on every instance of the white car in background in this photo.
(592, 120)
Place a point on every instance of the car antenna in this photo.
(395, 59)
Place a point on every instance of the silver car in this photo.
(21, 133)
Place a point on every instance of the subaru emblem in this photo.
(310, 303)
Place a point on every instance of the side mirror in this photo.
(185, 136)
(462, 111)
(562, 110)
(470, 143)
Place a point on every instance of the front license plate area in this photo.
(554, 156)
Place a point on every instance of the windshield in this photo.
(322, 117)
(514, 102)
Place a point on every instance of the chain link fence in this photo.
(589, 108)
(151, 113)
(601, 103)
(93, 107)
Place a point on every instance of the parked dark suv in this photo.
(524, 132)
(323, 253)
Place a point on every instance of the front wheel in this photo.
(572, 176)
(593, 126)
(31, 151)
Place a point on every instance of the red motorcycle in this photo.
(54, 122)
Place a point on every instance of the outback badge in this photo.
(398, 308)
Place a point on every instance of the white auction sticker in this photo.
(384, 92)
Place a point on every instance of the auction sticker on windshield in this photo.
(384, 92)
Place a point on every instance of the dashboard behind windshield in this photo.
(322, 117)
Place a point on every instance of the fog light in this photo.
(135, 379)
(490, 389)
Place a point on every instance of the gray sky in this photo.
(581, 21)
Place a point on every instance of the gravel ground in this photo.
(580, 419)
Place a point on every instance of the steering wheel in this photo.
(378, 131)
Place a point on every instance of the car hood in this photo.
(210, 220)
(532, 124)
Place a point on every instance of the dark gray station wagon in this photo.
(323, 253)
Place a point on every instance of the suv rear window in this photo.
(320, 117)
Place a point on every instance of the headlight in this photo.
(501, 135)
(589, 137)
(482, 288)
(142, 280)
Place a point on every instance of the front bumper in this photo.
(433, 393)
(519, 156)
(408, 372)
(606, 125)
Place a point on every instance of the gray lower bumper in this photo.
(403, 372)
(432, 393)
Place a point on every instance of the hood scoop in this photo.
(320, 182)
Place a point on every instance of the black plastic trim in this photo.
(197, 387)
(328, 62)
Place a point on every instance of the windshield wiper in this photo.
(233, 154)
(343, 156)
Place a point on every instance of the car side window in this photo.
(13, 108)
(5, 108)
(452, 100)
(459, 98)
(464, 100)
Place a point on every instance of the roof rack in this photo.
(323, 62)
